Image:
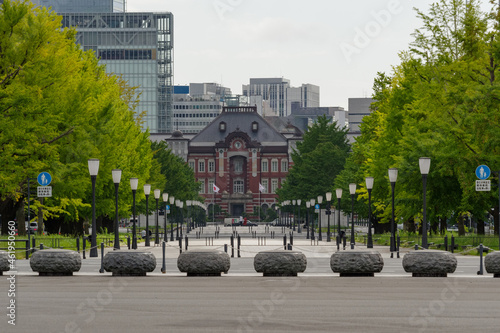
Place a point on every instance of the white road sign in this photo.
(483, 185)
(44, 191)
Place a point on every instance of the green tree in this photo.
(440, 102)
(59, 108)
(180, 180)
(317, 160)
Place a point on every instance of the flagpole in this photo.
(259, 202)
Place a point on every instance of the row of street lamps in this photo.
(424, 164)
(93, 165)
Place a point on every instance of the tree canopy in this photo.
(317, 160)
(442, 101)
(59, 108)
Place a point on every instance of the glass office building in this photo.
(83, 6)
(138, 46)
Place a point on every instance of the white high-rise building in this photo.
(139, 46)
(278, 96)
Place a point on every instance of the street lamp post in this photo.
(313, 202)
(320, 201)
(425, 164)
(338, 194)
(157, 194)
(369, 187)
(117, 175)
(308, 205)
(328, 213)
(299, 230)
(352, 191)
(393, 176)
(134, 182)
(165, 238)
(172, 204)
(294, 217)
(93, 170)
(188, 217)
(181, 207)
(147, 192)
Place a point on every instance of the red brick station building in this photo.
(242, 154)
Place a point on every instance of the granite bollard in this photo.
(204, 263)
(280, 263)
(4, 262)
(356, 263)
(492, 264)
(429, 263)
(55, 262)
(129, 262)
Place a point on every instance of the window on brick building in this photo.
(238, 186)
(274, 166)
(265, 166)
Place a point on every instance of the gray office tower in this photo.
(137, 46)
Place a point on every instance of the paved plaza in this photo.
(318, 300)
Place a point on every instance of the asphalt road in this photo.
(253, 304)
(244, 301)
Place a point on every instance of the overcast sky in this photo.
(337, 45)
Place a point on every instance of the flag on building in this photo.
(216, 189)
(261, 188)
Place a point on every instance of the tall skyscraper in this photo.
(278, 95)
(137, 46)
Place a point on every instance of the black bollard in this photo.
(344, 241)
(239, 246)
(446, 242)
(232, 246)
(284, 242)
(33, 243)
(102, 259)
(180, 244)
(338, 242)
(480, 272)
(84, 243)
(41, 246)
(452, 244)
(78, 244)
(397, 245)
(225, 248)
(291, 239)
(289, 247)
(163, 268)
(128, 242)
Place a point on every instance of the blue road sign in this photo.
(44, 178)
(483, 172)
(167, 207)
(316, 206)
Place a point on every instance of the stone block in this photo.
(429, 263)
(356, 263)
(492, 264)
(129, 262)
(280, 263)
(55, 262)
(4, 262)
(203, 262)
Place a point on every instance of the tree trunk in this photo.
(442, 225)
(461, 229)
(40, 218)
(410, 225)
(496, 218)
(480, 227)
(21, 222)
(380, 228)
